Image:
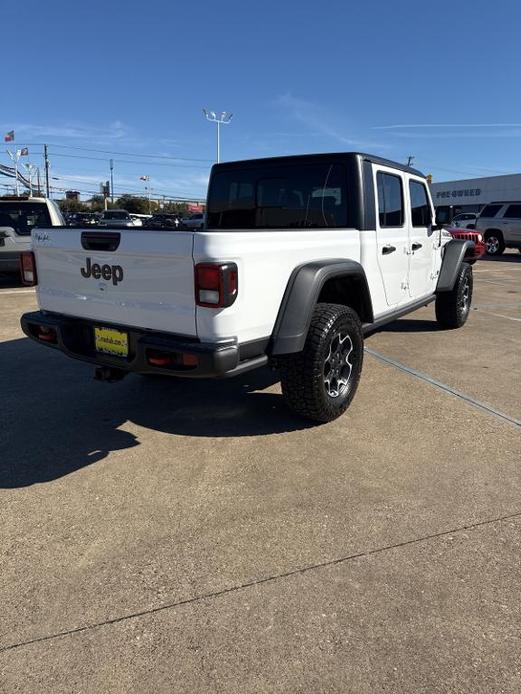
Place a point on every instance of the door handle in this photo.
(416, 246)
(388, 249)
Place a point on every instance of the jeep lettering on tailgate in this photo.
(106, 272)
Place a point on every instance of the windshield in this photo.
(304, 196)
(23, 217)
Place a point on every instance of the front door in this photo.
(392, 236)
(422, 241)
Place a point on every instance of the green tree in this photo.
(133, 204)
(69, 206)
(96, 203)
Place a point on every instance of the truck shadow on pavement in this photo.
(57, 419)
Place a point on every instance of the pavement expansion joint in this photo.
(260, 581)
(482, 406)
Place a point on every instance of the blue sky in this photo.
(437, 80)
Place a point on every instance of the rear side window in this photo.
(513, 212)
(303, 196)
(421, 213)
(390, 199)
(490, 210)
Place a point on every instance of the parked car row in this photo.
(122, 218)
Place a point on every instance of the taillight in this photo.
(216, 284)
(28, 268)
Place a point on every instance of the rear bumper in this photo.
(10, 261)
(75, 338)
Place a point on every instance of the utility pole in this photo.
(46, 160)
(112, 181)
(223, 119)
(410, 160)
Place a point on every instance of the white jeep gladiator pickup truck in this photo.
(301, 256)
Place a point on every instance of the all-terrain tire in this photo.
(494, 243)
(453, 308)
(320, 382)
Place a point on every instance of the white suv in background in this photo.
(19, 215)
(464, 220)
(194, 221)
(500, 224)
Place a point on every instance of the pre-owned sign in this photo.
(463, 193)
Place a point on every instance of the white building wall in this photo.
(477, 191)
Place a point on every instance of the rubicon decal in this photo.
(106, 272)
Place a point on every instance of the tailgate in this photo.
(130, 277)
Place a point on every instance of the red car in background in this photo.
(470, 235)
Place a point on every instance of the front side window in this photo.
(390, 199)
(421, 213)
(513, 212)
(286, 196)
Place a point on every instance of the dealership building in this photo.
(472, 194)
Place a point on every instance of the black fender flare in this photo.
(453, 255)
(301, 295)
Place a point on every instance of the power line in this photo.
(124, 154)
(126, 161)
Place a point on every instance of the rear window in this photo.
(23, 217)
(304, 196)
(490, 210)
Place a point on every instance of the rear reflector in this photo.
(216, 284)
(47, 334)
(166, 359)
(28, 268)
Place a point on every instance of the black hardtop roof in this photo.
(289, 159)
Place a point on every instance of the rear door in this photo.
(129, 277)
(392, 236)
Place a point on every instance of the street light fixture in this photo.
(146, 180)
(222, 119)
(30, 168)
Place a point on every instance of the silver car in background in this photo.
(500, 224)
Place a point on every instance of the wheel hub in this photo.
(338, 365)
(492, 243)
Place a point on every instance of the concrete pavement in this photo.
(195, 537)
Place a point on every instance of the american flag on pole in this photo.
(24, 152)
(9, 137)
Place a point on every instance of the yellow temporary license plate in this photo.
(111, 341)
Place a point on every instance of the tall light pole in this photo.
(112, 181)
(146, 180)
(222, 119)
(30, 168)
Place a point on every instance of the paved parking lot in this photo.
(169, 536)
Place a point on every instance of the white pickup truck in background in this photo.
(300, 257)
(19, 215)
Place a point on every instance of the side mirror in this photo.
(441, 219)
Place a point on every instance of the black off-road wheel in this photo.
(494, 243)
(452, 308)
(320, 382)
